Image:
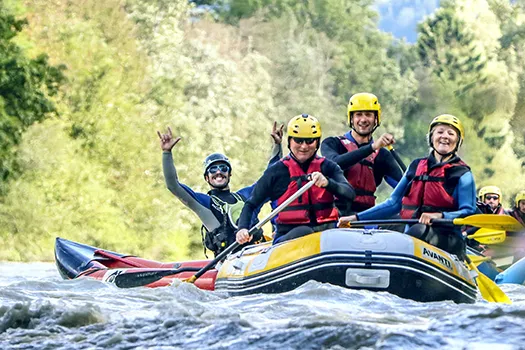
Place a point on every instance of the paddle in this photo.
(488, 236)
(490, 221)
(478, 259)
(488, 289)
(397, 158)
(137, 279)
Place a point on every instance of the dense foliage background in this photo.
(85, 84)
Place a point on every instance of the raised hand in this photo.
(167, 141)
(277, 133)
(383, 141)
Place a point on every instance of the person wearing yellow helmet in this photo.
(220, 208)
(489, 200)
(365, 161)
(518, 212)
(313, 211)
(513, 248)
(438, 186)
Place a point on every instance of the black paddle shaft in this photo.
(398, 160)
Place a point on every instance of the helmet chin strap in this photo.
(444, 155)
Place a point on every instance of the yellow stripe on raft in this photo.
(293, 250)
(434, 256)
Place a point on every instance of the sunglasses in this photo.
(223, 168)
(308, 141)
(492, 197)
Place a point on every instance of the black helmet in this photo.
(212, 159)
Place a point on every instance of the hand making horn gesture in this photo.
(167, 141)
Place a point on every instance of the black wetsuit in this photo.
(384, 166)
(274, 183)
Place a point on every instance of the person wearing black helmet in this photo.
(220, 208)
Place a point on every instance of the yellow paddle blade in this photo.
(492, 221)
(489, 290)
(477, 259)
(488, 236)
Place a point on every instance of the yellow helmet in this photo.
(451, 120)
(489, 189)
(364, 101)
(304, 126)
(519, 197)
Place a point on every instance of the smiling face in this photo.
(364, 122)
(302, 150)
(218, 175)
(444, 139)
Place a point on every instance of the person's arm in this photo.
(337, 183)
(276, 155)
(465, 196)
(387, 168)
(258, 197)
(199, 203)
(330, 150)
(389, 207)
(277, 137)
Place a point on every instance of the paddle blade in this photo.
(477, 259)
(488, 236)
(489, 290)
(492, 221)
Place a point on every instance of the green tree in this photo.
(25, 86)
(447, 47)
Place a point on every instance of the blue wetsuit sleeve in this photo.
(465, 196)
(391, 182)
(246, 192)
(389, 207)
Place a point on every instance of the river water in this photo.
(39, 310)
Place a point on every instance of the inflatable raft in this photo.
(377, 260)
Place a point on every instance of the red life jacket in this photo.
(427, 192)
(361, 176)
(316, 200)
(515, 213)
(500, 210)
